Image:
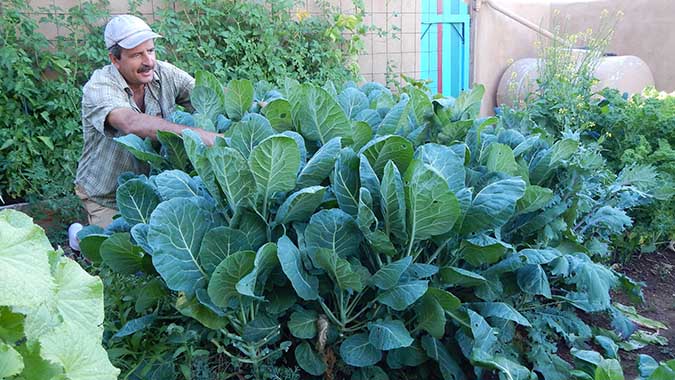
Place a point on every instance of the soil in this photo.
(657, 271)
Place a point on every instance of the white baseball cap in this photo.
(127, 31)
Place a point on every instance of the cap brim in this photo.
(138, 38)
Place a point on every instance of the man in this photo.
(134, 94)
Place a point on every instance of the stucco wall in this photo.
(646, 30)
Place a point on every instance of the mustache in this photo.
(145, 68)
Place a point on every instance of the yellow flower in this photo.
(301, 14)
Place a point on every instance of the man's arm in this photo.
(127, 121)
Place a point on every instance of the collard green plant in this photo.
(397, 233)
(51, 310)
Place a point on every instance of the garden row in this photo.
(349, 232)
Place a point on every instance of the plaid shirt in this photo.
(103, 160)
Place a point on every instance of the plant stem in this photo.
(329, 313)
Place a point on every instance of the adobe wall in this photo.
(646, 30)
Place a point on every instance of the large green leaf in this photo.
(275, 163)
(388, 148)
(136, 199)
(265, 262)
(500, 159)
(141, 149)
(300, 205)
(177, 227)
(421, 104)
(543, 167)
(219, 243)
(484, 337)
(500, 310)
(84, 358)
(339, 270)
(121, 255)
(461, 277)
(74, 344)
(195, 150)
(393, 202)
(223, 285)
(403, 295)
(357, 351)
(432, 207)
(11, 362)
(309, 360)
(207, 104)
(369, 180)
(278, 112)
(446, 162)
(260, 328)
(370, 373)
(388, 334)
(238, 98)
(533, 280)
(305, 285)
(483, 249)
(368, 224)
(609, 369)
(170, 184)
(191, 307)
(448, 366)
(317, 115)
(248, 133)
(172, 145)
(231, 171)
(352, 102)
(333, 230)
(25, 276)
(535, 198)
(303, 324)
(388, 276)
(397, 121)
(320, 165)
(431, 316)
(411, 356)
(345, 180)
(206, 79)
(493, 205)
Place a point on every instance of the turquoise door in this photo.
(445, 46)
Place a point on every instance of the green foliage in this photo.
(637, 132)
(640, 130)
(262, 40)
(430, 240)
(41, 92)
(51, 310)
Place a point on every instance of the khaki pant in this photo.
(96, 214)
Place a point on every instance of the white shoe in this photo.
(73, 241)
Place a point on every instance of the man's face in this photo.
(137, 65)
